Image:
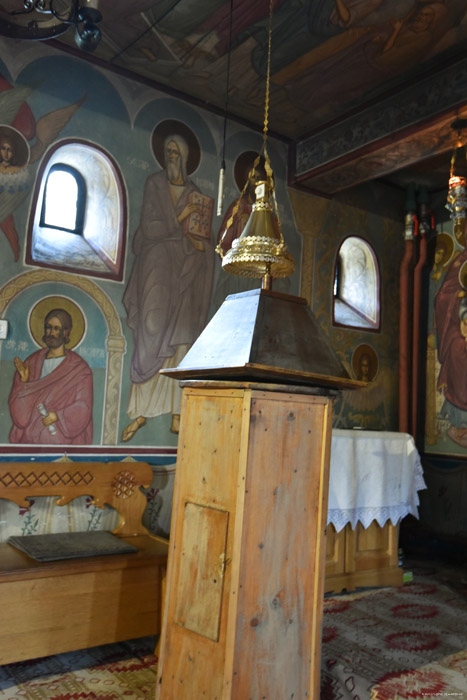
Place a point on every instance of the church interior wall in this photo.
(121, 116)
(333, 220)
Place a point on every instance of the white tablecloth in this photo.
(373, 476)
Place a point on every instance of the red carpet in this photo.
(444, 678)
(370, 640)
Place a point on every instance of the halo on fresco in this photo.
(20, 145)
(243, 165)
(42, 308)
(358, 353)
(463, 275)
(445, 240)
(174, 127)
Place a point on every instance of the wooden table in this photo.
(374, 480)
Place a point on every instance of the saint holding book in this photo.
(168, 293)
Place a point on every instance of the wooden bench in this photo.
(59, 606)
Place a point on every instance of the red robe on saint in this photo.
(452, 347)
(67, 391)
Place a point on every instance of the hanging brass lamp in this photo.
(260, 251)
(457, 195)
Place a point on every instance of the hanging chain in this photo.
(267, 163)
(268, 75)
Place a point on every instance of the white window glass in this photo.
(356, 285)
(61, 200)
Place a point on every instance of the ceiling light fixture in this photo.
(39, 20)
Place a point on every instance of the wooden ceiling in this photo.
(362, 89)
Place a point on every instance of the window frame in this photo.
(116, 270)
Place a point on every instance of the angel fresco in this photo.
(18, 127)
(14, 151)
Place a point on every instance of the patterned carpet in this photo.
(135, 678)
(447, 677)
(373, 639)
(382, 644)
(126, 670)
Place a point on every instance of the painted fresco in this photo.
(446, 378)
(51, 397)
(167, 296)
(18, 127)
(72, 405)
(365, 354)
(168, 154)
(327, 55)
(368, 408)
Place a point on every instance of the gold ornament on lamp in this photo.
(260, 251)
(457, 195)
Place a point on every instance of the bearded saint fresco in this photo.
(168, 293)
(52, 393)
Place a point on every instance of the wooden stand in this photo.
(246, 561)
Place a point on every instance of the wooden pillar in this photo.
(246, 563)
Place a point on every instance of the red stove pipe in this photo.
(417, 296)
(404, 324)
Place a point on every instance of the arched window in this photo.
(356, 301)
(64, 200)
(79, 212)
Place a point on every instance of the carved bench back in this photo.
(114, 483)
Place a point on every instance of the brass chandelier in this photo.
(260, 251)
